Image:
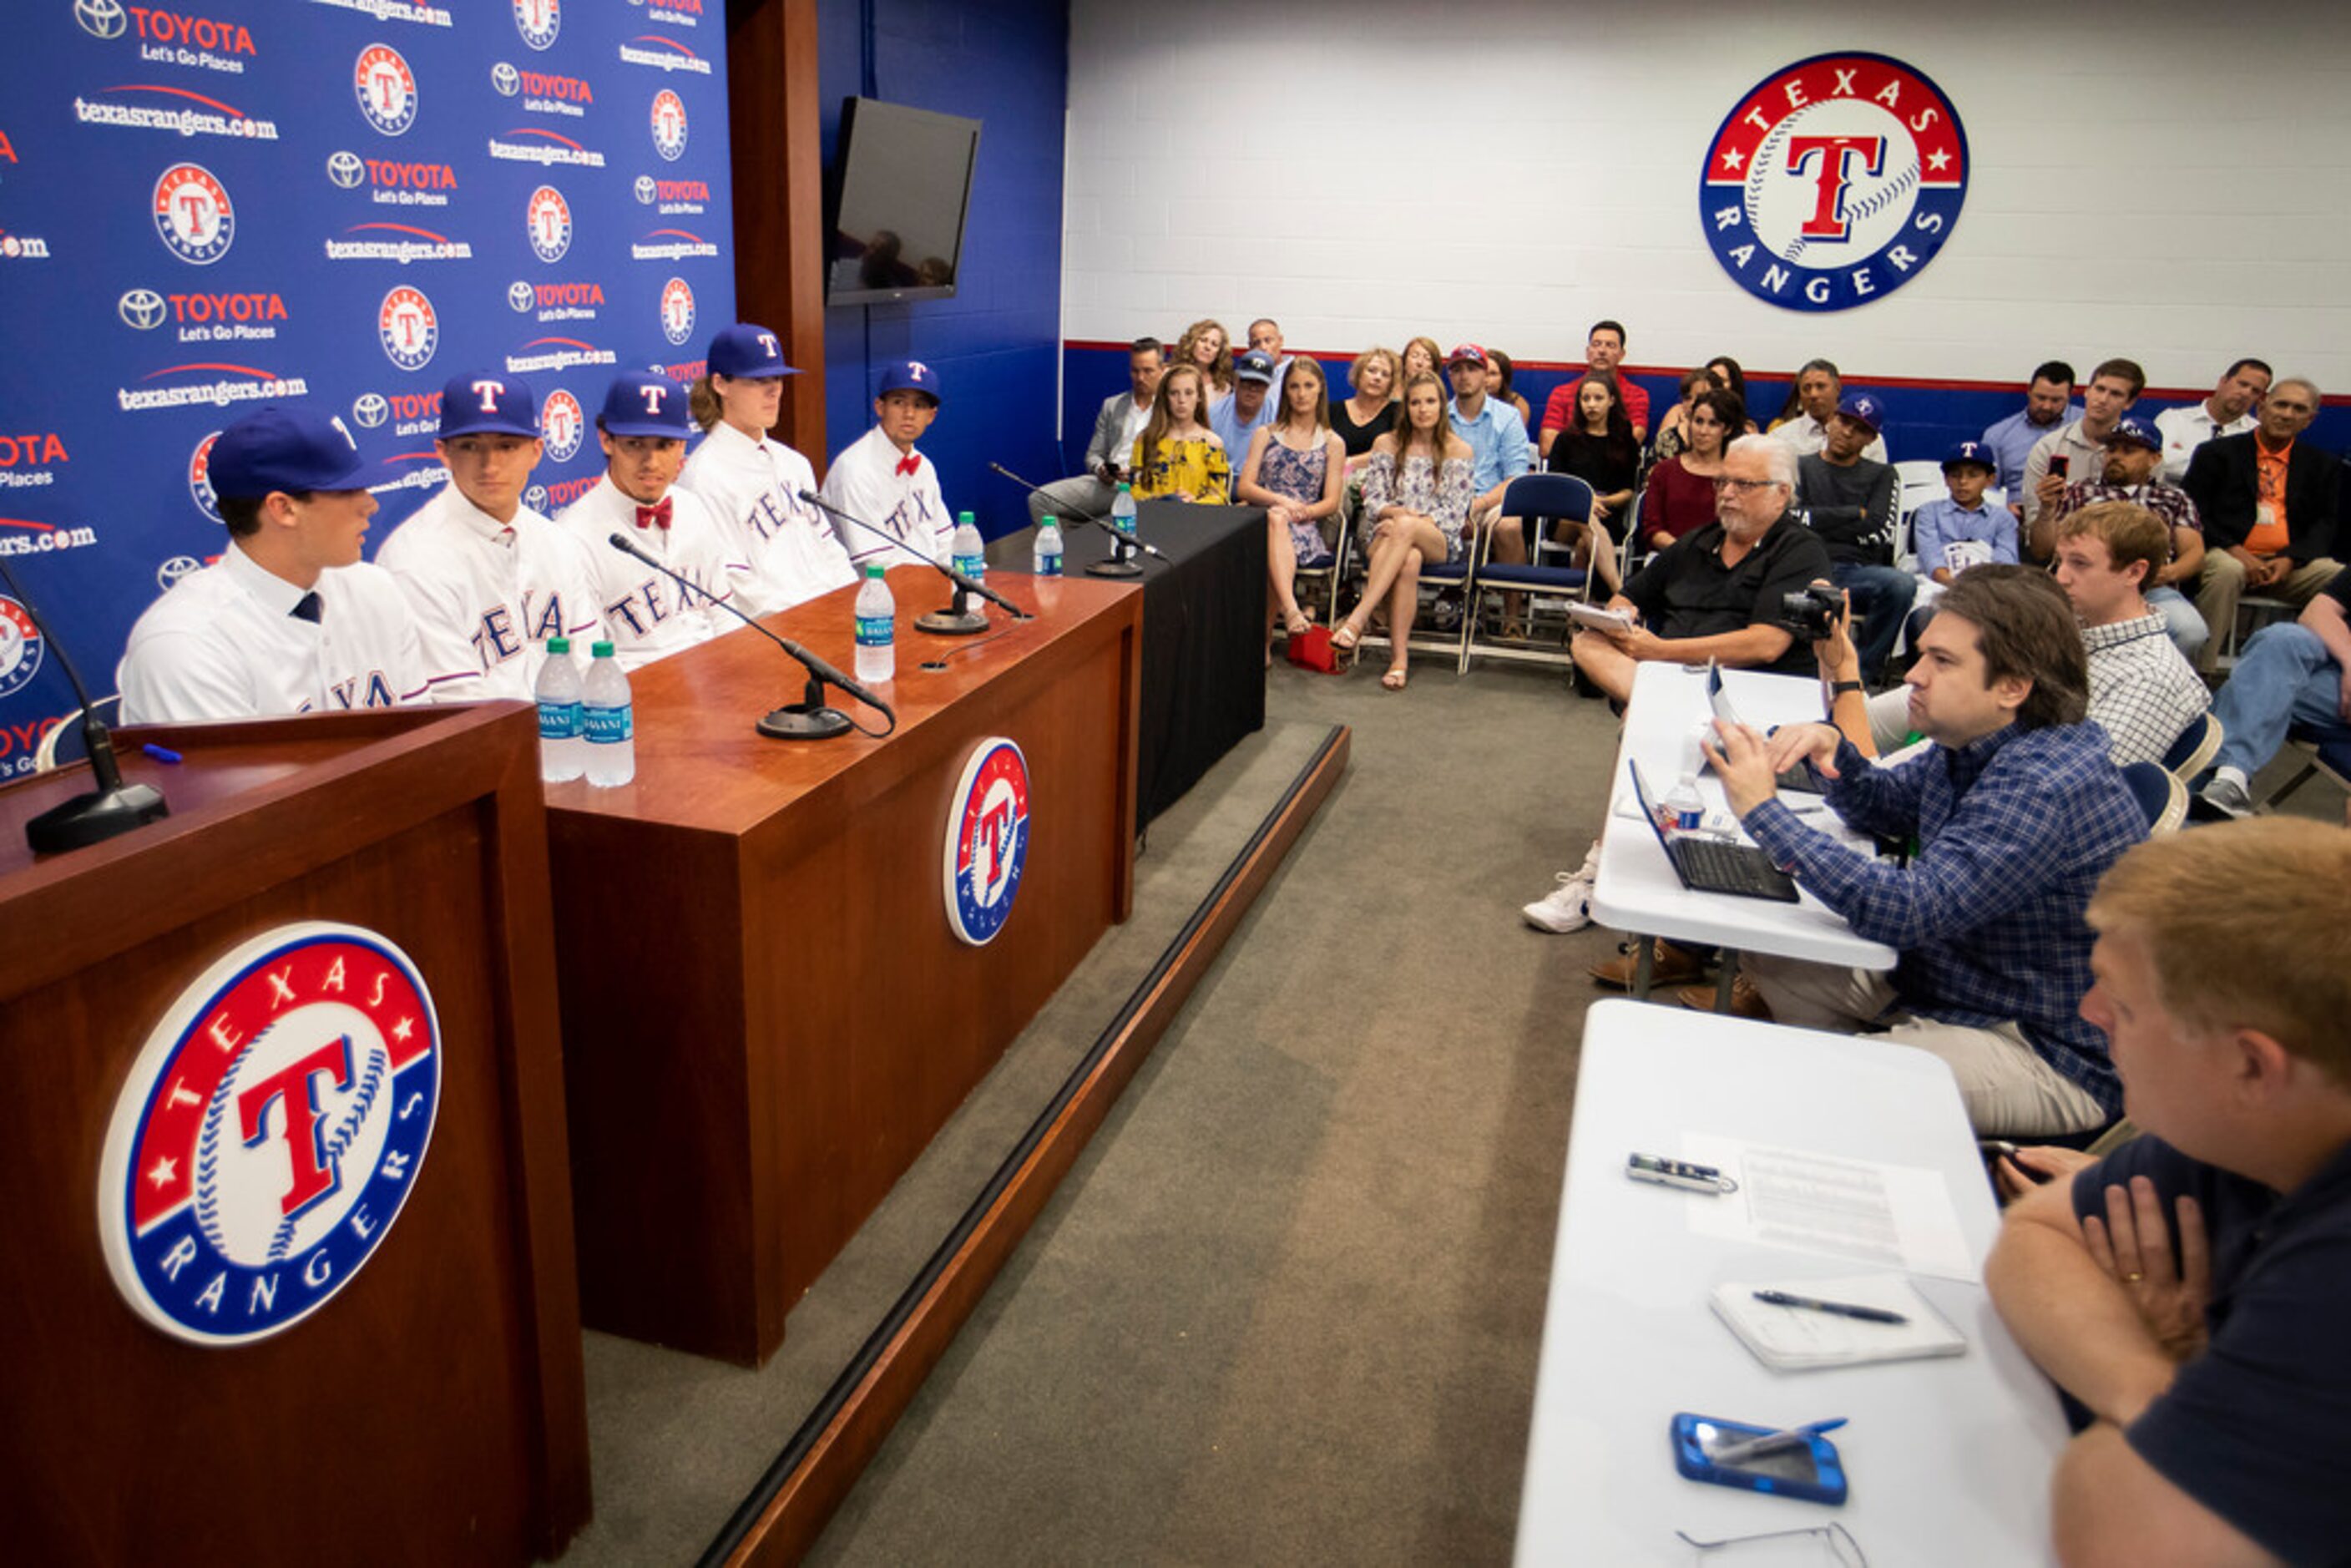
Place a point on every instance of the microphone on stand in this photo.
(958, 619)
(808, 719)
(1122, 561)
(114, 806)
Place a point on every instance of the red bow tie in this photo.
(656, 516)
(910, 463)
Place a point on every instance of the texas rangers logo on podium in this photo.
(270, 1132)
(988, 840)
(1835, 181)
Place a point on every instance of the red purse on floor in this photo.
(1311, 649)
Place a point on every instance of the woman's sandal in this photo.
(1299, 623)
(1393, 680)
(1344, 639)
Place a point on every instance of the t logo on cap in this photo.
(487, 393)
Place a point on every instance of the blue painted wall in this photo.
(997, 344)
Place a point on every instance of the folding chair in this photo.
(2327, 750)
(1535, 499)
(2160, 793)
(2192, 752)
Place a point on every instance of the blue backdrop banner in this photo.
(343, 201)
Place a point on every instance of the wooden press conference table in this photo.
(765, 1014)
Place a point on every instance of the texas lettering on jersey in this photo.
(504, 634)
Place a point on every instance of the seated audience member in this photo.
(1499, 447)
(1499, 370)
(1296, 469)
(1250, 408)
(1370, 409)
(1177, 457)
(1120, 421)
(1715, 593)
(2017, 811)
(1669, 429)
(1416, 490)
(1803, 422)
(290, 619)
(1206, 346)
(2293, 672)
(490, 580)
(2188, 1290)
(2048, 404)
(2230, 411)
(2268, 501)
(2134, 452)
(2143, 692)
(1600, 450)
(1848, 500)
(1728, 376)
(781, 550)
(1265, 338)
(1961, 518)
(1604, 350)
(2077, 449)
(642, 428)
(882, 481)
(1422, 356)
(1680, 495)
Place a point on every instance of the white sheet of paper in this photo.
(1893, 1217)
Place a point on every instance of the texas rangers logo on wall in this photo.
(270, 1132)
(1833, 182)
(988, 840)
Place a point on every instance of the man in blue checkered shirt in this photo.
(2017, 812)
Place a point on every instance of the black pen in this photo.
(1840, 1309)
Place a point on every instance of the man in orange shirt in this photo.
(2268, 501)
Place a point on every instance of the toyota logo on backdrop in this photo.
(371, 409)
(141, 308)
(506, 78)
(101, 18)
(346, 169)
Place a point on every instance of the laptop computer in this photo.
(1707, 864)
(1796, 780)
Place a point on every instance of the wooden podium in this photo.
(765, 1014)
(431, 1410)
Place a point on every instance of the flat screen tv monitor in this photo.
(901, 186)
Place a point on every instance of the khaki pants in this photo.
(2222, 583)
(2008, 1089)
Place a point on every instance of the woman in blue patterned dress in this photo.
(1415, 505)
(1296, 469)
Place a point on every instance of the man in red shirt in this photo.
(1604, 350)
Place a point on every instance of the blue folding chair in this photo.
(2160, 794)
(2194, 749)
(1536, 500)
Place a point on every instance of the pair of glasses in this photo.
(1835, 1539)
(1744, 486)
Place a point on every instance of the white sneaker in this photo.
(2227, 794)
(1567, 907)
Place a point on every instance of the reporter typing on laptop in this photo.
(2017, 811)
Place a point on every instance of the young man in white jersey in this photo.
(490, 578)
(881, 480)
(648, 614)
(289, 620)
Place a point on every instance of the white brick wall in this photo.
(2165, 179)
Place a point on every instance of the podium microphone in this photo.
(958, 619)
(1122, 562)
(114, 806)
(808, 719)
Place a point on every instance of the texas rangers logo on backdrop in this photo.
(677, 310)
(561, 423)
(669, 125)
(20, 647)
(386, 89)
(988, 840)
(193, 213)
(270, 1132)
(538, 21)
(548, 219)
(408, 328)
(200, 477)
(1835, 181)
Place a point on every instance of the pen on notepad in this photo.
(1840, 1309)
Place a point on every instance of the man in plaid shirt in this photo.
(2143, 691)
(2133, 457)
(2017, 811)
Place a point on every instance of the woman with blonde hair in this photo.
(1177, 457)
(1296, 469)
(1369, 411)
(1206, 346)
(1416, 507)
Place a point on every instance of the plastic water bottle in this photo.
(1684, 808)
(1048, 559)
(1122, 510)
(877, 630)
(611, 723)
(970, 554)
(562, 724)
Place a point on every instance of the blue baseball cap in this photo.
(488, 402)
(1864, 409)
(1256, 365)
(909, 375)
(1974, 452)
(639, 402)
(288, 449)
(748, 351)
(2135, 433)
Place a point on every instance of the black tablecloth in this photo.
(1204, 620)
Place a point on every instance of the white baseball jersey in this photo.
(488, 595)
(867, 482)
(780, 549)
(645, 615)
(224, 642)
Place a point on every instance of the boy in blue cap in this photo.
(289, 620)
(1961, 518)
(879, 479)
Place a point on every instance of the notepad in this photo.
(1798, 1339)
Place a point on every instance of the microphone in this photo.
(113, 808)
(957, 620)
(1121, 562)
(808, 719)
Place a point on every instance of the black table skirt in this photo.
(1204, 620)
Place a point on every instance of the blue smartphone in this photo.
(1810, 1469)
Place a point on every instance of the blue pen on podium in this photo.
(1772, 1442)
(1838, 1308)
